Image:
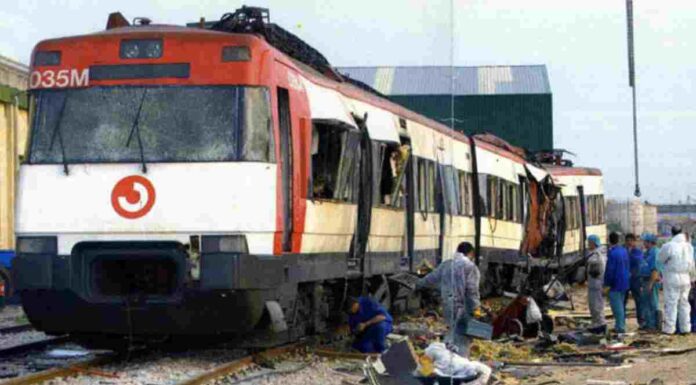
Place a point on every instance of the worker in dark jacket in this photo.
(616, 277)
(635, 260)
(370, 323)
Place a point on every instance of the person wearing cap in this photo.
(649, 279)
(596, 261)
(458, 280)
(370, 323)
(616, 276)
(677, 257)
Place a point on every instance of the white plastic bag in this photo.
(533, 312)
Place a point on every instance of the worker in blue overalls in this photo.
(650, 278)
(370, 323)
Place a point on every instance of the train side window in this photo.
(454, 199)
(432, 178)
(484, 201)
(422, 181)
(334, 161)
(499, 198)
(400, 162)
(510, 214)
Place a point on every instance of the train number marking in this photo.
(133, 197)
(59, 79)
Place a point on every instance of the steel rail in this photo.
(16, 329)
(35, 345)
(240, 364)
(67, 371)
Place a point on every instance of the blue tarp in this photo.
(6, 257)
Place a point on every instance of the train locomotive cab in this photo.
(149, 197)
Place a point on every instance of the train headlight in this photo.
(37, 245)
(141, 49)
(224, 244)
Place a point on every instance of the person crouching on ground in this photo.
(616, 276)
(649, 279)
(370, 323)
(679, 271)
(458, 281)
(596, 261)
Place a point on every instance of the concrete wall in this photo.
(13, 74)
(632, 216)
(13, 135)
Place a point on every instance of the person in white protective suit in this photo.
(596, 262)
(677, 257)
(449, 364)
(458, 281)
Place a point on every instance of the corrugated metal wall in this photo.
(522, 120)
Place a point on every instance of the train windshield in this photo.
(151, 124)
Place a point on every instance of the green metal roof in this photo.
(436, 80)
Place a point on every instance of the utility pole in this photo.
(632, 83)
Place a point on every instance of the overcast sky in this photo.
(582, 43)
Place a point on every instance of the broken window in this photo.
(432, 178)
(465, 186)
(389, 167)
(484, 201)
(422, 183)
(496, 197)
(335, 159)
(510, 202)
(453, 186)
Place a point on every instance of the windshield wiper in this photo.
(58, 132)
(136, 128)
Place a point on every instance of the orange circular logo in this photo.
(133, 197)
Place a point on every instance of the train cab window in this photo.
(335, 152)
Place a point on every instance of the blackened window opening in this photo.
(335, 161)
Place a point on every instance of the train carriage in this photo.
(224, 180)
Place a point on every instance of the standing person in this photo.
(616, 276)
(458, 280)
(596, 261)
(649, 280)
(635, 259)
(370, 323)
(677, 257)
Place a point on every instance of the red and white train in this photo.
(196, 180)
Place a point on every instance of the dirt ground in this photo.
(641, 369)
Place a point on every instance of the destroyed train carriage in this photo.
(223, 179)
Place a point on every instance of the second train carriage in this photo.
(238, 188)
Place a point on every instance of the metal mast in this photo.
(632, 83)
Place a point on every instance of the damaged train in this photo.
(222, 178)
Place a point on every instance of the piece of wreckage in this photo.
(540, 278)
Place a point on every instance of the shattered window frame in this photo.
(339, 175)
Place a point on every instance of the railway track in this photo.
(33, 346)
(115, 368)
(16, 329)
